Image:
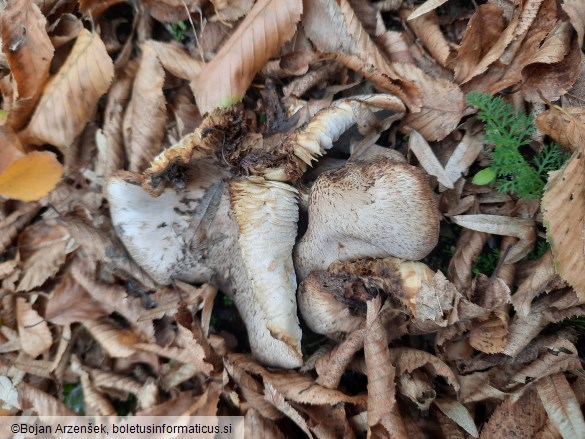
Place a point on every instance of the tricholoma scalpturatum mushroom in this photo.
(240, 233)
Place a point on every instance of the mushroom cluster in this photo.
(240, 233)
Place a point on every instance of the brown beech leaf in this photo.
(176, 60)
(523, 418)
(29, 52)
(335, 30)
(563, 209)
(44, 248)
(426, 28)
(265, 29)
(70, 97)
(458, 413)
(425, 8)
(35, 335)
(276, 398)
(490, 336)
(427, 158)
(483, 30)
(564, 125)
(257, 425)
(561, 405)
(70, 302)
(118, 343)
(469, 247)
(435, 299)
(523, 229)
(442, 107)
(43, 404)
(332, 365)
(381, 372)
(146, 114)
(541, 275)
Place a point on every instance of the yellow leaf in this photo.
(31, 177)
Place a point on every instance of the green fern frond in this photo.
(508, 130)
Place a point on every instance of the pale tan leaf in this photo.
(426, 7)
(95, 403)
(523, 229)
(230, 10)
(564, 125)
(523, 418)
(276, 398)
(332, 365)
(265, 29)
(42, 403)
(562, 406)
(469, 247)
(176, 60)
(146, 115)
(436, 300)
(7, 268)
(442, 107)
(35, 335)
(483, 30)
(458, 413)
(70, 303)
(477, 387)
(490, 336)
(335, 29)
(70, 97)
(381, 372)
(464, 154)
(295, 386)
(542, 274)
(12, 342)
(13, 223)
(43, 252)
(406, 360)
(8, 394)
(549, 309)
(428, 31)
(427, 158)
(257, 425)
(575, 9)
(186, 350)
(563, 210)
(29, 52)
(118, 343)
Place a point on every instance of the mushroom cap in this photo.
(376, 208)
(192, 235)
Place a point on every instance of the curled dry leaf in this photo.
(43, 248)
(483, 31)
(265, 29)
(146, 115)
(542, 274)
(35, 335)
(331, 366)
(564, 125)
(335, 29)
(29, 53)
(118, 343)
(561, 405)
(458, 413)
(523, 229)
(381, 372)
(42, 403)
(523, 418)
(469, 247)
(70, 303)
(427, 30)
(427, 158)
(70, 97)
(563, 210)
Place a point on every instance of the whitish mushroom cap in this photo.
(373, 208)
(267, 216)
(191, 235)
